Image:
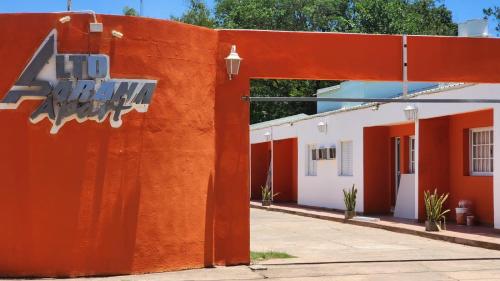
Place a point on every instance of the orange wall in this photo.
(93, 200)
(478, 189)
(261, 159)
(433, 154)
(453, 59)
(444, 157)
(376, 167)
(285, 170)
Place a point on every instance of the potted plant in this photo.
(350, 202)
(267, 195)
(434, 210)
(463, 210)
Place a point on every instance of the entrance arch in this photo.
(169, 190)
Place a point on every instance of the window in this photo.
(346, 158)
(332, 153)
(481, 151)
(411, 166)
(311, 160)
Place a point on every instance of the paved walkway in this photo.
(478, 236)
(328, 250)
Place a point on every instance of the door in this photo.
(397, 165)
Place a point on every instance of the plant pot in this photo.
(461, 215)
(432, 226)
(266, 203)
(349, 214)
(470, 220)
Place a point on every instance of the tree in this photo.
(429, 17)
(494, 13)
(197, 14)
(128, 11)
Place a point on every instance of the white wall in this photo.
(325, 189)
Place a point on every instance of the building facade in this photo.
(390, 159)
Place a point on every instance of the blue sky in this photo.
(462, 9)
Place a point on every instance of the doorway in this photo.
(396, 168)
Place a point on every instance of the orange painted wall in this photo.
(453, 59)
(478, 189)
(261, 159)
(285, 170)
(444, 157)
(93, 200)
(433, 155)
(376, 167)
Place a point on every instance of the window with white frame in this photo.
(312, 156)
(346, 165)
(481, 151)
(411, 164)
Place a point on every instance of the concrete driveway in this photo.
(335, 251)
(328, 250)
(314, 240)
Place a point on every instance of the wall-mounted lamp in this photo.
(65, 19)
(117, 34)
(411, 112)
(322, 127)
(267, 135)
(233, 62)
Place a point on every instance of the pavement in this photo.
(328, 250)
(478, 236)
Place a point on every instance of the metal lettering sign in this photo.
(76, 86)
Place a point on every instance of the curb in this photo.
(425, 234)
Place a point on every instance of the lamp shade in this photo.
(233, 62)
(322, 127)
(411, 112)
(267, 135)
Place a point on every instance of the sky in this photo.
(462, 9)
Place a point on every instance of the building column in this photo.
(417, 161)
(496, 167)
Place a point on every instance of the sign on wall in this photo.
(76, 86)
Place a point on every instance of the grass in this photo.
(263, 256)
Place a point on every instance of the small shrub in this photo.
(350, 198)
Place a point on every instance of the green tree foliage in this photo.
(493, 13)
(429, 17)
(128, 11)
(197, 14)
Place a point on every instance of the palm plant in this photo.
(267, 195)
(350, 198)
(434, 209)
(350, 202)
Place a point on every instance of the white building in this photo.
(449, 147)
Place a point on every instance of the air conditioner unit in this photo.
(332, 153)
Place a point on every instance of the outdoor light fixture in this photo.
(117, 34)
(65, 19)
(233, 62)
(322, 127)
(93, 26)
(268, 136)
(411, 112)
